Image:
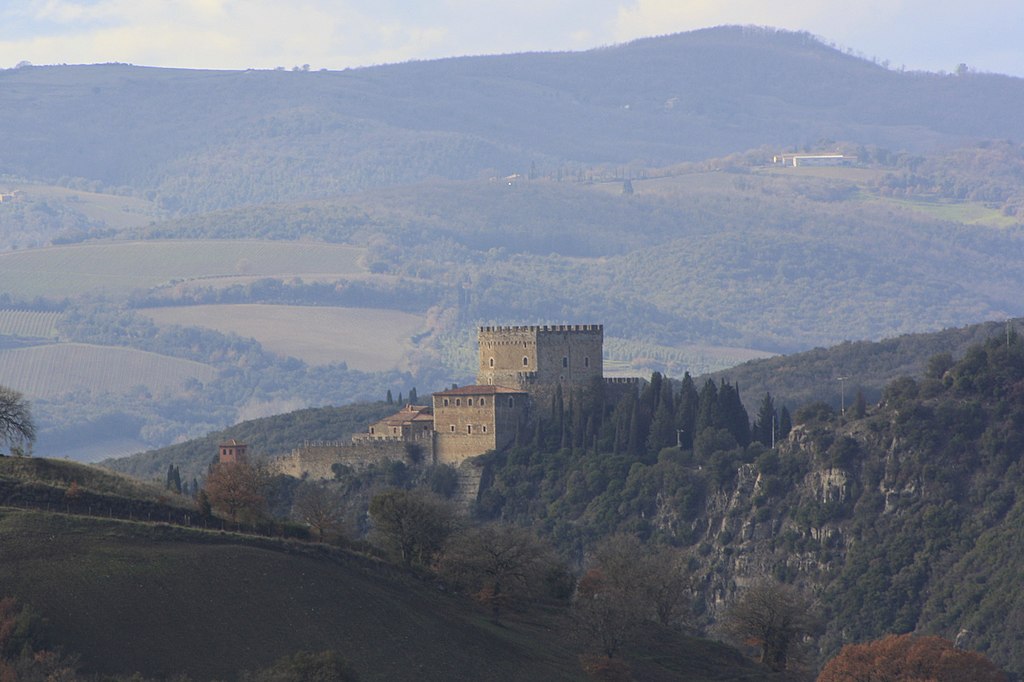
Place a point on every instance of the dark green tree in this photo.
(785, 423)
(765, 426)
(707, 408)
(686, 411)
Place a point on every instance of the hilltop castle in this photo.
(520, 369)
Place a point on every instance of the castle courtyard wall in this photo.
(316, 461)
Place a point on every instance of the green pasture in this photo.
(968, 213)
(368, 339)
(56, 369)
(120, 267)
(28, 323)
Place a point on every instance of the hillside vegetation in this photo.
(898, 517)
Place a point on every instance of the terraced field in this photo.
(121, 267)
(32, 324)
(367, 339)
(55, 369)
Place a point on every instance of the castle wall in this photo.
(316, 461)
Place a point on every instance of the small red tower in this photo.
(232, 451)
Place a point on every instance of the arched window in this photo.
(484, 427)
(453, 428)
(586, 362)
(469, 402)
(446, 402)
(483, 401)
(511, 401)
(565, 361)
(526, 361)
(492, 362)
(458, 402)
(469, 428)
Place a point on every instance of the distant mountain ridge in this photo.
(211, 139)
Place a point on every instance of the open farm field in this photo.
(112, 210)
(55, 369)
(627, 357)
(368, 339)
(848, 173)
(121, 267)
(35, 324)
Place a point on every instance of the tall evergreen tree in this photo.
(785, 423)
(707, 408)
(686, 411)
(662, 433)
(767, 421)
(733, 416)
(389, 399)
(860, 405)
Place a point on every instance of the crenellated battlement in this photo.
(543, 328)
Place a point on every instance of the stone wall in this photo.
(316, 461)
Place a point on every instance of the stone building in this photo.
(413, 424)
(472, 420)
(519, 371)
(539, 358)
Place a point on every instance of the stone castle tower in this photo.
(539, 358)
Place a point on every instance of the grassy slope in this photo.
(121, 267)
(160, 600)
(367, 339)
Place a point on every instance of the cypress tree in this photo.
(686, 412)
(767, 420)
(707, 408)
(389, 400)
(785, 424)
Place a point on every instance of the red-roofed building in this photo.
(472, 420)
(413, 424)
(232, 451)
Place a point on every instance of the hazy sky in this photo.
(235, 34)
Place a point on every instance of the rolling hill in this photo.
(631, 185)
(173, 599)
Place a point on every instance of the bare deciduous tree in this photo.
(627, 584)
(16, 425)
(320, 507)
(773, 616)
(235, 488)
(412, 525)
(499, 564)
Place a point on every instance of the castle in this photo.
(520, 369)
